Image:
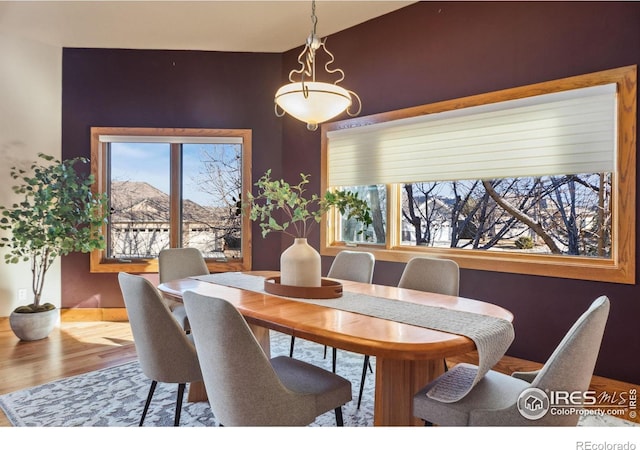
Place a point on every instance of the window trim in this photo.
(99, 263)
(620, 268)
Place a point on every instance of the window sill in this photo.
(151, 266)
(570, 267)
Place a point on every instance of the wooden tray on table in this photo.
(328, 289)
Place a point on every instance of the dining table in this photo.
(408, 354)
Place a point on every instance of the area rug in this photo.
(114, 397)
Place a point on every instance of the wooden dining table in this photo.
(407, 356)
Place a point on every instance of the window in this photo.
(348, 230)
(172, 188)
(536, 180)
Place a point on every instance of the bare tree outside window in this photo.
(376, 198)
(569, 214)
(216, 179)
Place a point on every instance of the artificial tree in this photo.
(58, 214)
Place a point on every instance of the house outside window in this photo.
(172, 188)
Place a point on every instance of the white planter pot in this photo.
(300, 265)
(33, 326)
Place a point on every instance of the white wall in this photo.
(30, 122)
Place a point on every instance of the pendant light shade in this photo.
(313, 102)
(309, 100)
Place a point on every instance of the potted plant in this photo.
(283, 207)
(58, 214)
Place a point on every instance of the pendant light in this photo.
(309, 100)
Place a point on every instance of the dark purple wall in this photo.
(434, 51)
(181, 89)
(424, 53)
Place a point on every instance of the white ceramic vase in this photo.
(300, 265)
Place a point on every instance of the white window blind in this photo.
(566, 132)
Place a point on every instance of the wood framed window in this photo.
(172, 187)
(537, 179)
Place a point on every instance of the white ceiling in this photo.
(243, 26)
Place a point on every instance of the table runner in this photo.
(492, 335)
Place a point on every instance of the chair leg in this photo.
(364, 376)
(152, 389)
(446, 369)
(339, 416)
(325, 352)
(181, 387)
(293, 341)
(335, 355)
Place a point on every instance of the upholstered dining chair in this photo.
(176, 263)
(495, 400)
(352, 266)
(166, 354)
(244, 386)
(441, 276)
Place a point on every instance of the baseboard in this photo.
(4, 324)
(509, 364)
(82, 315)
(93, 315)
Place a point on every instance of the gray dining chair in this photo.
(437, 275)
(352, 266)
(176, 263)
(495, 399)
(441, 276)
(244, 386)
(166, 354)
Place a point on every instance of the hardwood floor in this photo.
(84, 346)
(72, 349)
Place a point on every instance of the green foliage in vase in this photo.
(283, 207)
(58, 214)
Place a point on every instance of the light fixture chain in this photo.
(314, 19)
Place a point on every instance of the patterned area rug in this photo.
(114, 397)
